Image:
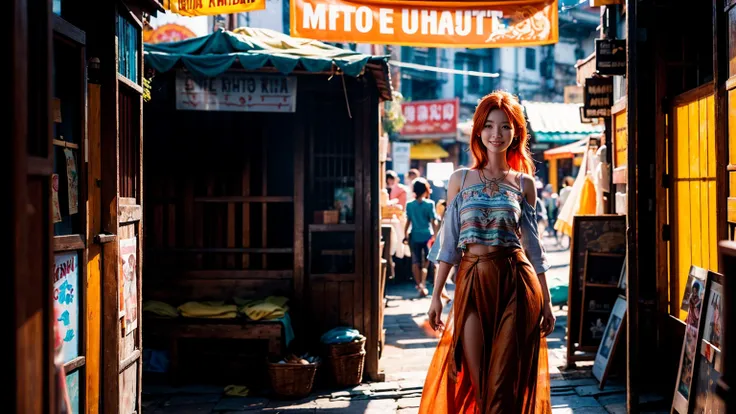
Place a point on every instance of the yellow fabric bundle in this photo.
(208, 310)
(160, 309)
(273, 307)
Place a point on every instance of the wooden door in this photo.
(122, 198)
(693, 195)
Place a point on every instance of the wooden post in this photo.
(632, 285)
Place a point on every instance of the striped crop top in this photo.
(499, 218)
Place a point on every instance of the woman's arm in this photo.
(445, 252)
(535, 251)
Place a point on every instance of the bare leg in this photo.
(417, 270)
(472, 350)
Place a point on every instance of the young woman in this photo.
(421, 218)
(492, 356)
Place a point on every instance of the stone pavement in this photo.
(409, 347)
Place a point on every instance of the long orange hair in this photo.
(518, 155)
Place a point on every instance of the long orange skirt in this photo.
(504, 290)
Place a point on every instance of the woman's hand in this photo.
(548, 319)
(435, 314)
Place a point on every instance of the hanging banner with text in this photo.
(236, 91)
(472, 24)
(427, 119)
(212, 7)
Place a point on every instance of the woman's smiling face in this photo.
(498, 132)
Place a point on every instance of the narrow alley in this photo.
(410, 344)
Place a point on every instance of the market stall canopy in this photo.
(255, 49)
(557, 123)
(427, 151)
(566, 151)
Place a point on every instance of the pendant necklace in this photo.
(490, 185)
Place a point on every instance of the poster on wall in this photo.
(55, 198)
(66, 303)
(129, 269)
(694, 296)
(709, 361)
(72, 181)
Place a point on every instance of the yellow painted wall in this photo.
(694, 179)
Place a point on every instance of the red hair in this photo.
(518, 155)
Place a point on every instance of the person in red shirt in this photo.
(396, 190)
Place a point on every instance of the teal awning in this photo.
(559, 137)
(253, 49)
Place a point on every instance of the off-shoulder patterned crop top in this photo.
(500, 216)
(490, 215)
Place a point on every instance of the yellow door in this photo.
(693, 212)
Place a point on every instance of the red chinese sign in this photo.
(430, 118)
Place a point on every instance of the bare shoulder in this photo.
(528, 188)
(453, 187)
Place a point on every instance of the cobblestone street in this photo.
(410, 344)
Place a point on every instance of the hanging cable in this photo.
(416, 66)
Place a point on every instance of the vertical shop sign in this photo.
(598, 97)
(610, 56)
(400, 156)
(66, 302)
(129, 269)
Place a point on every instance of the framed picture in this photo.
(595, 234)
(611, 335)
(708, 367)
(695, 273)
(694, 294)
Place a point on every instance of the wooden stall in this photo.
(242, 174)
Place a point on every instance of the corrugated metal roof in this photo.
(550, 117)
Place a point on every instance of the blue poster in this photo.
(66, 303)
(72, 388)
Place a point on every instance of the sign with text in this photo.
(430, 118)
(66, 303)
(469, 24)
(239, 92)
(401, 157)
(598, 97)
(212, 7)
(610, 56)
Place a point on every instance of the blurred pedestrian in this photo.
(421, 222)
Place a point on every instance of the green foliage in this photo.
(146, 89)
(393, 118)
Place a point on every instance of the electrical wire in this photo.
(417, 66)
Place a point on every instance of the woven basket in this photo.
(347, 348)
(292, 380)
(347, 370)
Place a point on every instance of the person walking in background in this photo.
(396, 190)
(422, 219)
(492, 355)
(549, 198)
(563, 239)
(411, 175)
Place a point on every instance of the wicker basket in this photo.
(347, 348)
(347, 370)
(292, 380)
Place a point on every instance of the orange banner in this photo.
(212, 7)
(468, 24)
